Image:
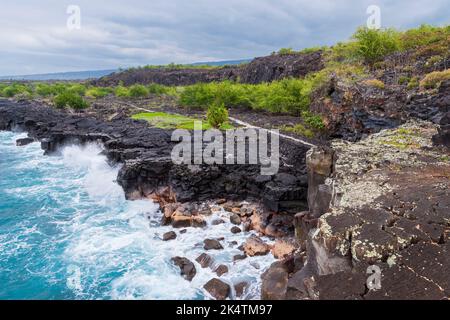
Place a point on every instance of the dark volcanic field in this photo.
(148, 167)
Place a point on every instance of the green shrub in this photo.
(313, 120)
(287, 95)
(138, 91)
(433, 60)
(299, 129)
(44, 90)
(286, 51)
(312, 50)
(217, 114)
(197, 96)
(375, 83)
(434, 79)
(232, 94)
(158, 89)
(403, 80)
(77, 88)
(98, 92)
(15, 89)
(372, 45)
(121, 91)
(424, 36)
(70, 99)
(413, 83)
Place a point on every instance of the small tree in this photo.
(70, 99)
(372, 45)
(138, 90)
(217, 114)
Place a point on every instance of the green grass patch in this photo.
(173, 121)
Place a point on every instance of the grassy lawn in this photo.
(173, 121)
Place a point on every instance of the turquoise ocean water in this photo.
(67, 232)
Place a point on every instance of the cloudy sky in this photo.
(34, 37)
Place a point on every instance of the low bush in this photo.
(77, 88)
(98, 92)
(424, 36)
(434, 79)
(198, 96)
(375, 83)
(286, 51)
(403, 80)
(217, 114)
(313, 120)
(121, 91)
(70, 99)
(413, 83)
(372, 45)
(287, 95)
(300, 130)
(138, 91)
(433, 60)
(15, 89)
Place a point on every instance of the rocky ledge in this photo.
(147, 170)
(263, 69)
(381, 204)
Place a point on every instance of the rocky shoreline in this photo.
(333, 210)
(187, 195)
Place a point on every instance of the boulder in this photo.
(187, 268)
(282, 248)
(24, 141)
(212, 244)
(235, 219)
(254, 246)
(217, 289)
(239, 257)
(205, 260)
(236, 230)
(274, 282)
(221, 270)
(216, 222)
(171, 235)
(239, 288)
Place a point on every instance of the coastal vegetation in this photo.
(70, 99)
(353, 62)
(165, 120)
(217, 114)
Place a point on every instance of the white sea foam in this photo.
(112, 248)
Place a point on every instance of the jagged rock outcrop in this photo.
(147, 169)
(378, 216)
(263, 69)
(352, 111)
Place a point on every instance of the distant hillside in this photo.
(78, 75)
(262, 69)
(84, 75)
(222, 63)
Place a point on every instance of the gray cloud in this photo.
(114, 33)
